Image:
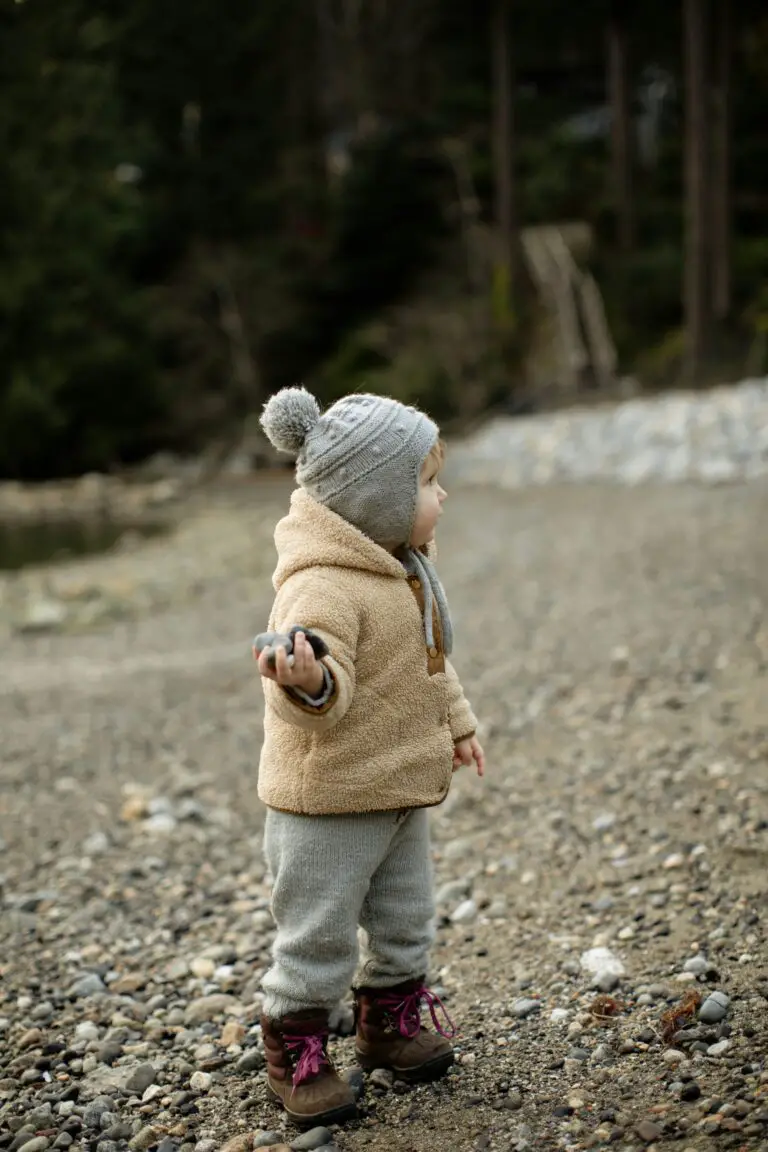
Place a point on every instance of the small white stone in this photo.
(452, 890)
(200, 1081)
(96, 844)
(161, 823)
(600, 962)
(719, 1049)
(86, 1030)
(202, 967)
(465, 913)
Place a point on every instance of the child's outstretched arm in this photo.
(311, 693)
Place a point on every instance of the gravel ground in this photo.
(614, 642)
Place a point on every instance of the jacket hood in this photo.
(311, 536)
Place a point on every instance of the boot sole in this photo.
(333, 1116)
(432, 1070)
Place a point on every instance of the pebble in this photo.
(522, 1009)
(140, 1079)
(648, 1131)
(95, 1110)
(264, 1139)
(89, 985)
(355, 1077)
(87, 1030)
(200, 1081)
(605, 968)
(109, 1053)
(314, 1138)
(719, 1049)
(202, 967)
(31, 1038)
(451, 891)
(715, 1008)
(698, 965)
(382, 1078)
(465, 913)
(207, 1008)
(251, 1061)
(232, 1033)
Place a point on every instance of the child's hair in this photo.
(435, 457)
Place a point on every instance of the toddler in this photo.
(358, 745)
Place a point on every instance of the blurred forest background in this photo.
(468, 205)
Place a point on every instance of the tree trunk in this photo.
(697, 247)
(721, 164)
(503, 143)
(621, 125)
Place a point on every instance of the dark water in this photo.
(44, 542)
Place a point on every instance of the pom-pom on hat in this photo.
(361, 458)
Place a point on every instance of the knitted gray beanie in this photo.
(361, 458)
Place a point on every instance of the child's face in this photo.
(429, 503)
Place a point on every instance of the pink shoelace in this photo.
(312, 1058)
(406, 1011)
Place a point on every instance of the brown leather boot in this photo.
(390, 1032)
(299, 1072)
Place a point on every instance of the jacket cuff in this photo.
(316, 705)
(315, 701)
(462, 722)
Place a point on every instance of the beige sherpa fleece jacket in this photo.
(385, 738)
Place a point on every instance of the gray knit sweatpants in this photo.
(331, 874)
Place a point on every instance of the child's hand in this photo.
(302, 671)
(468, 752)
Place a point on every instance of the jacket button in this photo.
(433, 652)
